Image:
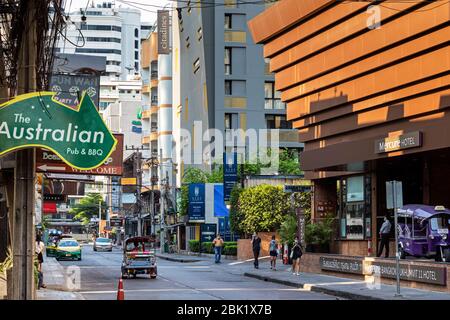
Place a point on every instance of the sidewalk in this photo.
(341, 287)
(56, 281)
(190, 257)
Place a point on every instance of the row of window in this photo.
(273, 121)
(112, 63)
(100, 27)
(86, 50)
(100, 39)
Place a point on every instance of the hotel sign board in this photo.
(408, 272)
(399, 142)
(163, 32)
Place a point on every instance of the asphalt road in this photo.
(202, 280)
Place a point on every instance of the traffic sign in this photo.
(79, 137)
(208, 232)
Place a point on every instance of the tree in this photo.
(288, 163)
(288, 229)
(262, 208)
(236, 216)
(88, 208)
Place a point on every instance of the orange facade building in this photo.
(368, 87)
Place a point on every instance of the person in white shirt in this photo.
(40, 246)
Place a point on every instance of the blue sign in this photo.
(207, 232)
(196, 202)
(230, 173)
(220, 209)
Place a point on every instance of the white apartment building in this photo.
(110, 31)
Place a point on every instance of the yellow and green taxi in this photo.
(68, 249)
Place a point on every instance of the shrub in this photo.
(207, 247)
(194, 245)
(230, 250)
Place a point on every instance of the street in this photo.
(202, 280)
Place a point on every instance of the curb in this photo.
(313, 288)
(182, 260)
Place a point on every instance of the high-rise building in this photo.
(110, 31)
(221, 81)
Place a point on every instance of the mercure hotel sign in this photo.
(79, 137)
(399, 142)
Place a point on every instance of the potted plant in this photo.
(318, 235)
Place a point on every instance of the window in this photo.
(277, 122)
(136, 32)
(196, 65)
(229, 121)
(228, 22)
(84, 50)
(228, 87)
(136, 55)
(188, 44)
(272, 97)
(227, 61)
(100, 27)
(136, 66)
(136, 44)
(99, 39)
(199, 34)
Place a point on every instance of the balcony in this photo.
(154, 110)
(153, 136)
(145, 89)
(274, 104)
(235, 36)
(146, 140)
(230, 3)
(154, 75)
(154, 102)
(154, 83)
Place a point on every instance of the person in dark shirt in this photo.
(256, 245)
(296, 255)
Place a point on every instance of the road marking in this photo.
(240, 262)
(196, 289)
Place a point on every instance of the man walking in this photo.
(384, 235)
(256, 245)
(218, 243)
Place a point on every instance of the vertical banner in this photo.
(163, 32)
(230, 172)
(196, 202)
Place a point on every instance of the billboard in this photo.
(196, 202)
(69, 88)
(230, 173)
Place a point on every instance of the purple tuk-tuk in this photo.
(423, 231)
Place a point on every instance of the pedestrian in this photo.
(296, 254)
(273, 251)
(40, 246)
(385, 232)
(218, 243)
(256, 246)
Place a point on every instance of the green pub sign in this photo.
(78, 136)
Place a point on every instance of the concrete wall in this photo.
(245, 250)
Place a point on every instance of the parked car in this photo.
(424, 232)
(103, 244)
(68, 249)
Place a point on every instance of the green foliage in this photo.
(288, 163)
(236, 216)
(288, 229)
(7, 264)
(88, 208)
(194, 245)
(230, 250)
(319, 232)
(262, 208)
(216, 175)
(207, 247)
(303, 200)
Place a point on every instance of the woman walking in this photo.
(40, 246)
(296, 255)
(273, 246)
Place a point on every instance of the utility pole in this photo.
(138, 172)
(24, 177)
(99, 215)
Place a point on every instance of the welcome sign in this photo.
(78, 136)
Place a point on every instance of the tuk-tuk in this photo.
(423, 231)
(139, 257)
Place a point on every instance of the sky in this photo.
(148, 9)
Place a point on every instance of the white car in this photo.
(103, 244)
